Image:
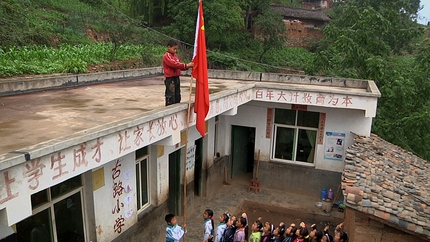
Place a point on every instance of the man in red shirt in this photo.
(172, 66)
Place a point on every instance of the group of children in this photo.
(235, 229)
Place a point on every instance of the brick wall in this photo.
(302, 34)
(360, 227)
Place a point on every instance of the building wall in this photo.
(163, 133)
(303, 33)
(115, 198)
(254, 114)
(360, 227)
(149, 225)
(295, 177)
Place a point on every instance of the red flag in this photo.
(200, 73)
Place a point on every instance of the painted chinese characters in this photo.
(119, 223)
(34, 170)
(117, 191)
(58, 164)
(300, 97)
(138, 132)
(123, 141)
(79, 156)
(97, 156)
(9, 194)
(221, 105)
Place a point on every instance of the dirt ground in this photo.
(275, 215)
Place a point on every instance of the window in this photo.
(295, 135)
(142, 156)
(57, 214)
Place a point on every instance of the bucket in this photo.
(326, 205)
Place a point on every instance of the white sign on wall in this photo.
(333, 148)
(191, 161)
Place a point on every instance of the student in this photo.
(266, 236)
(230, 230)
(255, 231)
(278, 234)
(239, 235)
(223, 219)
(174, 232)
(302, 234)
(244, 215)
(208, 229)
(172, 67)
(290, 233)
(341, 237)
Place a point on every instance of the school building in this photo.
(101, 154)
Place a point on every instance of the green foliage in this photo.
(52, 22)
(366, 39)
(152, 55)
(148, 10)
(292, 57)
(92, 2)
(217, 60)
(221, 18)
(270, 31)
(66, 58)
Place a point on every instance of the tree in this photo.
(367, 39)
(404, 108)
(271, 31)
(254, 8)
(148, 9)
(360, 31)
(222, 18)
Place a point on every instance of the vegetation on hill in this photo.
(142, 25)
(379, 40)
(376, 40)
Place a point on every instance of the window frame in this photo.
(138, 166)
(296, 128)
(49, 206)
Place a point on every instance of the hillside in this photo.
(52, 22)
(31, 31)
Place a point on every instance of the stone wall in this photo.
(297, 179)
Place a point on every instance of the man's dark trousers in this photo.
(173, 90)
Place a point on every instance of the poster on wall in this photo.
(333, 149)
(191, 161)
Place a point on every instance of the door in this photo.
(174, 182)
(242, 147)
(198, 167)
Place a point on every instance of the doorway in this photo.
(242, 150)
(198, 167)
(174, 182)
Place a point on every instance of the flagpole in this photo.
(186, 150)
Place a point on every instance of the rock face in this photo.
(385, 181)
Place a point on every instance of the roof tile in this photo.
(383, 180)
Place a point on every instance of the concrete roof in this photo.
(74, 108)
(389, 183)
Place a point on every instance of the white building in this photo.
(104, 157)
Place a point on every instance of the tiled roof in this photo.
(301, 13)
(383, 180)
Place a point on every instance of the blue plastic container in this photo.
(323, 194)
